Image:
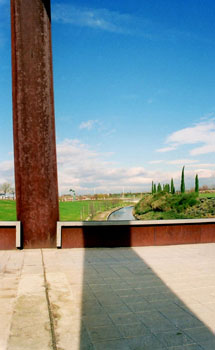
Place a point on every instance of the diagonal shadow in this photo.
(126, 305)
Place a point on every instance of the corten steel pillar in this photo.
(33, 122)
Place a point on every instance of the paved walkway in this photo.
(148, 298)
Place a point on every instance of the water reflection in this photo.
(122, 214)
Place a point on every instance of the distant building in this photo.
(7, 195)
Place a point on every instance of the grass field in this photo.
(7, 210)
(207, 195)
(86, 210)
(69, 211)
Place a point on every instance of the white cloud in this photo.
(7, 171)
(166, 149)
(88, 124)
(203, 165)
(156, 161)
(194, 134)
(205, 173)
(202, 133)
(115, 22)
(84, 169)
(103, 19)
(182, 161)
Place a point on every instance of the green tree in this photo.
(197, 184)
(155, 189)
(167, 188)
(172, 187)
(159, 188)
(182, 181)
(152, 187)
(6, 188)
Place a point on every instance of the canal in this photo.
(122, 214)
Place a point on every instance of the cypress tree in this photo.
(182, 181)
(166, 188)
(155, 190)
(197, 184)
(159, 188)
(172, 186)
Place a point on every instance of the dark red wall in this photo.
(134, 236)
(7, 238)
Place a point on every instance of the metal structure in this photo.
(33, 123)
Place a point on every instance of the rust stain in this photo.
(33, 122)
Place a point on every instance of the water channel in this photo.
(122, 214)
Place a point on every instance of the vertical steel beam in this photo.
(33, 122)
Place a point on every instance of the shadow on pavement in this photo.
(125, 305)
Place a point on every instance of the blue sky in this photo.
(134, 93)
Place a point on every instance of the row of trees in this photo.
(171, 188)
(166, 187)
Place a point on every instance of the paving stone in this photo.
(186, 321)
(112, 345)
(132, 299)
(202, 336)
(120, 308)
(109, 300)
(126, 318)
(186, 347)
(146, 342)
(126, 292)
(174, 338)
(133, 330)
(140, 307)
(88, 305)
(98, 334)
(97, 320)
(155, 321)
(92, 310)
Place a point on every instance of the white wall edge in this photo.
(135, 223)
(59, 235)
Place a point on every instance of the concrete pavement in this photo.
(147, 298)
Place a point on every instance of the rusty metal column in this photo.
(33, 122)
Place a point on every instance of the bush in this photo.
(164, 205)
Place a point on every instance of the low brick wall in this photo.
(135, 233)
(10, 235)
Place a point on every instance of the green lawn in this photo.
(207, 195)
(82, 210)
(7, 210)
(69, 211)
